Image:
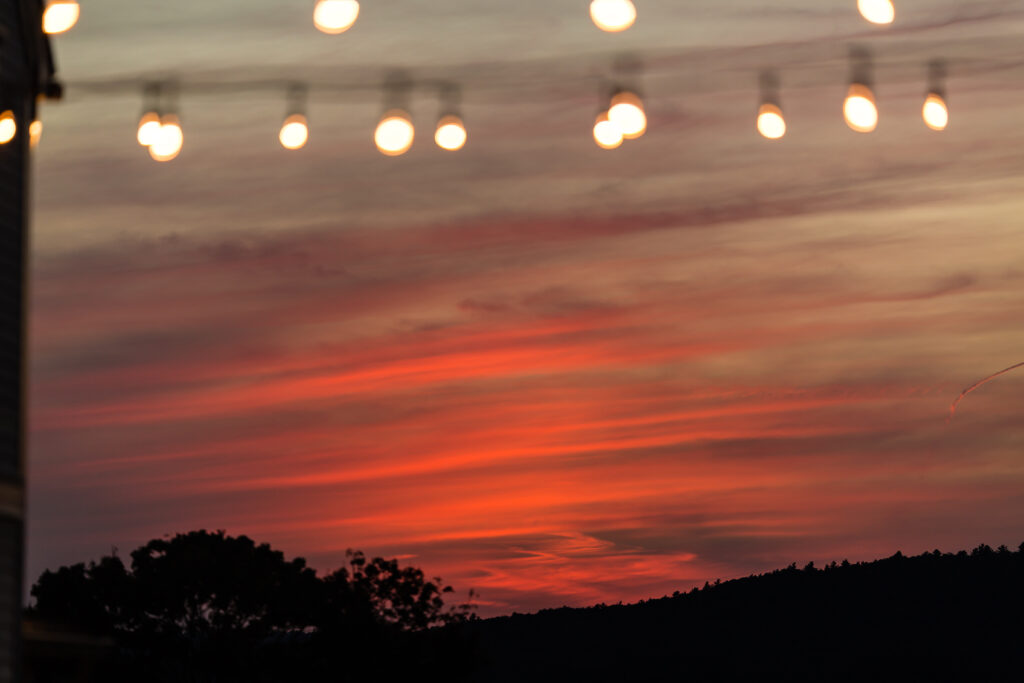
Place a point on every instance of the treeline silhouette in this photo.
(209, 607)
(205, 607)
(932, 617)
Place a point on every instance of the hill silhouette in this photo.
(932, 617)
(208, 607)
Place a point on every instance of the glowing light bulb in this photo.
(149, 128)
(613, 15)
(606, 134)
(627, 113)
(770, 122)
(169, 139)
(294, 132)
(451, 133)
(859, 109)
(60, 16)
(35, 132)
(394, 134)
(8, 127)
(335, 16)
(877, 11)
(935, 112)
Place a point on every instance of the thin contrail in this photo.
(952, 408)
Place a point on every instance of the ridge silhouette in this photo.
(934, 617)
(212, 608)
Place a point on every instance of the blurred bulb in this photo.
(627, 113)
(935, 112)
(294, 132)
(8, 127)
(613, 15)
(169, 139)
(859, 109)
(877, 11)
(335, 16)
(451, 133)
(35, 132)
(394, 134)
(60, 16)
(770, 122)
(149, 128)
(606, 134)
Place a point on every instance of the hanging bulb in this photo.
(770, 122)
(859, 109)
(451, 133)
(395, 133)
(8, 127)
(877, 11)
(606, 134)
(627, 113)
(60, 16)
(294, 132)
(935, 112)
(335, 16)
(149, 128)
(613, 15)
(35, 133)
(169, 139)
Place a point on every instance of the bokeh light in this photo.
(627, 113)
(877, 11)
(859, 109)
(35, 132)
(935, 112)
(613, 15)
(60, 16)
(770, 122)
(335, 16)
(294, 132)
(395, 133)
(451, 133)
(169, 139)
(8, 127)
(606, 134)
(149, 128)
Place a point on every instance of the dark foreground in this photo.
(930, 617)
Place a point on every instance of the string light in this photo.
(613, 15)
(295, 128)
(451, 133)
(169, 139)
(859, 108)
(621, 116)
(295, 132)
(60, 16)
(335, 16)
(395, 133)
(149, 128)
(35, 133)
(8, 127)
(877, 11)
(935, 112)
(627, 113)
(770, 122)
(606, 134)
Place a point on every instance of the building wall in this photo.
(17, 85)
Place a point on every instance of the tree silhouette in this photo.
(211, 607)
(398, 596)
(201, 584)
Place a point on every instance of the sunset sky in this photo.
(547, 372)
